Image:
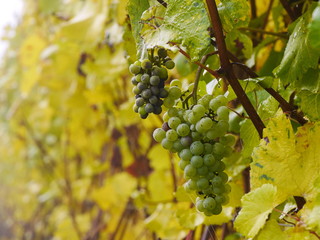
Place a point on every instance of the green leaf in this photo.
(272, 231)
(283, 157)
(135, 10)
(256, 206)
(178, 26)
(310, 104)
(265, 82)
(314, 29)
(234, 14)
(299, 55)
(249, 136)
(237, 40)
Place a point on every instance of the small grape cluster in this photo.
(199, 136)
(149, 83)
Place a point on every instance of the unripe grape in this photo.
(169, 64)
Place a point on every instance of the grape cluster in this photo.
(149, 83)
(199, 136)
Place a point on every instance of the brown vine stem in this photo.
(281, 35)
(227, 67)
(163, 3)
(286, 107)
(287, 7)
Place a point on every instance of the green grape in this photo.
(175, 83)
(199, 110)
(216, 180)
(208, 148)
(174, 122)
(146, 94)
(209, 160)
(165, 117)
(217, 210)
(145, 78)
(190, 171)
(218, 148)
(142, 111)
(141, 86)
(163, 93)
(227, 139)
(146, 64)
(172, 112)
(197, 148)
(169, 64)
(204, 124)
(185, 154)
(192, 118)
(227, 151)
(209, 203)
(186, 141)
(154, 100)
(154, 80)
(183, 164)
(139, 102)
(159, 134)
(174, 92)
(134, 69)
(166, 144)
(162, 52)
(183, 129)
(149, 108)
(217, 102)
(205, 100)
(186, 115)
(227, 188)
(168, 102)
(163, 74)
(155, 71)
(202, 171)
(171, 135)
(196, 136)
(196, 161)
(138, 77)
(226, 200)
(217, 190)
(177, 146)
(199, 205)
(222, 127)
(202, 183)
(219, 199)
(135, 108)
(223, 113)
(136, 90)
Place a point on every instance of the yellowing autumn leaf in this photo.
(284, 157)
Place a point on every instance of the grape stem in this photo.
(227, 67)
(281, 35)
(197, 79)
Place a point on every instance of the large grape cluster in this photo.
(199, 136)
(149, 83)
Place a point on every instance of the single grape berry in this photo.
(146, 64)
(169, 64)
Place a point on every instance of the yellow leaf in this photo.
(284, 157)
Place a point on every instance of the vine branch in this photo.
(227, 67)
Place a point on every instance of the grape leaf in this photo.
(283, 157)
(272, 231)
(310, 104)
(234, 14)
(135, 10)
(178, 26)
(314, 29)
(299, 55)
(256, 206)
